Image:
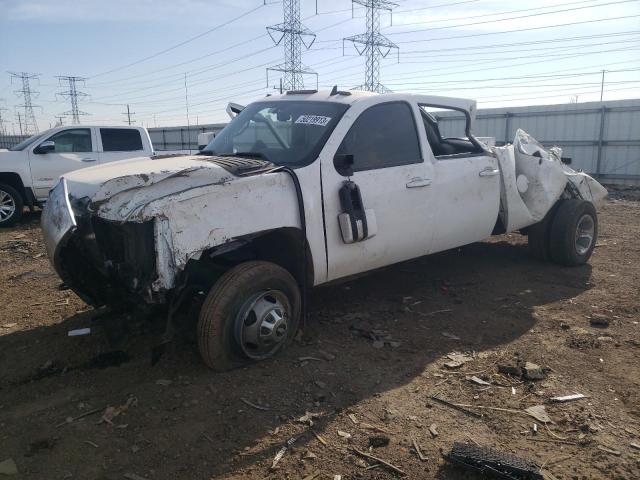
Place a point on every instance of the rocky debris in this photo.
(533, 371)
(599, 320)
(8, 467)
(539, 412)
(378, 441)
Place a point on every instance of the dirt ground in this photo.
(374, 352)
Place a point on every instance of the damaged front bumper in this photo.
(104, 262)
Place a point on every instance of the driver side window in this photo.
(72, 141)
(383, 136)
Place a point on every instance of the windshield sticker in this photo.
(314, 120)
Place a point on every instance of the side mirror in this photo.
(45, 147)
(343, 164)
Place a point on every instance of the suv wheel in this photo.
(11, 205)
(574, 232)
(251, 313)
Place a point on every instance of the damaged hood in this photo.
(116, 190)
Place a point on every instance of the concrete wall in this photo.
(180, 138)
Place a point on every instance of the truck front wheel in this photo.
(574, 232)
(11, 205)
(251, 313)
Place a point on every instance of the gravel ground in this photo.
(374, 353)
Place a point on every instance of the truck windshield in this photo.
(282, 132)
(25, 143)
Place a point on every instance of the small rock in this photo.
(378, 344)
(8, 467)
(326, 355)
(309, 455)
(433, 428)
(450, 335)
(512, 370)
(533, 372)
(163, 382)
(378, 441)
(539, 413)
(345, 435)
(599, 320)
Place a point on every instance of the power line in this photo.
(28, 124)
(373, 44)
(293, 35)
(173, 47)
(73, 95)
(128, 113)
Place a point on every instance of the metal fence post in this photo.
(507, 126)
(164, 140)
(603, 113)
(181, 139)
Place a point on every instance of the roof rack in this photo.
(301, 92)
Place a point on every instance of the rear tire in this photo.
(574, 232)
(251, 313)
(11, 205)
(538, 236)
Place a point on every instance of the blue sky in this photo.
(502, 53)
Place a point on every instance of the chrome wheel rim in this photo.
(585, 231)
(7, 206)
(262, 324)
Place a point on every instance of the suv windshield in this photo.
(281, 132)
(25, 143)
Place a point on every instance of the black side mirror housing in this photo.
(45, 147)
(343, 164)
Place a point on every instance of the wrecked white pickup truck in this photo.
(298, 190)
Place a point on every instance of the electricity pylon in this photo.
(373, 44)
(28, 123)
(73, 94)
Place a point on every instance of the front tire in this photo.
(251, 313)
(11, 205)
(574, 232)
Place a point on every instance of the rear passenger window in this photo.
(383, 136)
(120, 140)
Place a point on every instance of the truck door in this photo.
(120, 144)
(466, 183)
(393, 181)
(74, 149)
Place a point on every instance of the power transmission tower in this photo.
(28, 124)
(292, 34)
(59, 121)
(3, 130)
(373, 44)
(73, 94)
(128, 113)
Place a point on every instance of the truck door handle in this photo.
(489, 172)
(419, 182)
(87, 160)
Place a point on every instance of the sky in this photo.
(143, 52)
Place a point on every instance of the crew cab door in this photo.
(120, 144)
(466, 185)
(394, 182)
(74, 149)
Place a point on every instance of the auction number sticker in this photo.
(314, 120)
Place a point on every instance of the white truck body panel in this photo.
(419, 208)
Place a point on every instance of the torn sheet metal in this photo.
(534, 178)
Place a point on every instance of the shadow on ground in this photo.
(200, 425)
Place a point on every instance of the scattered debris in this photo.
(457, 360)
(8, 467)
(133, 476)
(450, 336)
(73, 419)
(112, 412)
(309, 359)
(313, 476)
(479, 381)
(533, 371)
(379, 460)
(378, 441)
(163, 382)
(320, 439)
(416, 447)
(609, 450)
(282, 451)
(635, 445)
(345, 435)
(8, 325)
(456, 407)
(309, 455)
(599, 320)
(94, 445)
(539, 413)
(254, 405)
(568, 398)
(484, 460)
(308, 418)
(326, 355)
(511, 370)
(353, 418)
